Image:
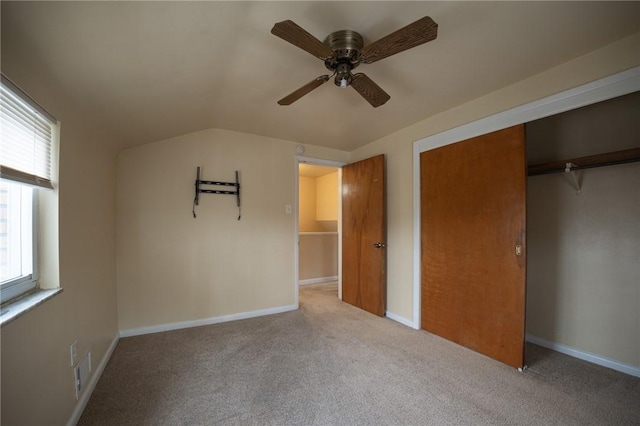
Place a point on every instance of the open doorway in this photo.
(318, 223)
(361, 231)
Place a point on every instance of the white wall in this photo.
(172, 268)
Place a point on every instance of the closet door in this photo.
(473, 243)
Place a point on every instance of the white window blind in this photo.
(26, 132)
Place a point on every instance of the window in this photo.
(26, 134)
(16, 239)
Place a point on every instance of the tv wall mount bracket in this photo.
(199, 190)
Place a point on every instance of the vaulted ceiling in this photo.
(153, 70)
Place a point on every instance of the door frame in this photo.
(610, 87)
(296, 218)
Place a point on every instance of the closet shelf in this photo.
(598, 160)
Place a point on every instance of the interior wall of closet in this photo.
(583, 230)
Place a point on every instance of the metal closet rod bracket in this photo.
(199, 190)
(569, 169)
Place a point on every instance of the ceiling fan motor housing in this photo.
(346, 46)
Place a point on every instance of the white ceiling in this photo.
(154, 70)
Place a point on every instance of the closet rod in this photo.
(598, 160)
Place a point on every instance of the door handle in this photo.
(379, 245)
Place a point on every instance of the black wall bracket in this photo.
(199, 191)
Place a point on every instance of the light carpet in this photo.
(332, 364)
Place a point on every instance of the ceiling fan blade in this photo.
(369, 90)
(415, 34)
(296, 35)
(297, 94)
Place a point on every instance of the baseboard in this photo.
(586, 356)
(205, 321)
(401, 320)
(318, 280)
(86, 394)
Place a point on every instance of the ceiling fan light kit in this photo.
(344, 50)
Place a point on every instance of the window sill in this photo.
(21, 306)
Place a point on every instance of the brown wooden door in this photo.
(363, 228)
(472, 223)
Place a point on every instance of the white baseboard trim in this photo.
(586, 356)
(401, 320)
(318, 280)
(86, 393)
(206, 321)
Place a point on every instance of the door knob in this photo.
(379, 245)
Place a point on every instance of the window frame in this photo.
(24, 285)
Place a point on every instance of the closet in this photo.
(579, 244)
(583, 231)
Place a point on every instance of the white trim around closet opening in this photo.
(600, 90)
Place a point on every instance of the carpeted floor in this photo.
(332, 364)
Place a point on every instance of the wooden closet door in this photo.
(473, 243)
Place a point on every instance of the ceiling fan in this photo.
(344, 50)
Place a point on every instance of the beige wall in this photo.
(318, 203)
(307, 200)
(318, 214)
(37, 379)
(318, 256)
(583, 278)
(327, 197)
(173, 268)
(398, 147)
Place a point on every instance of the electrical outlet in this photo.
(74, 353)
(81, 373)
